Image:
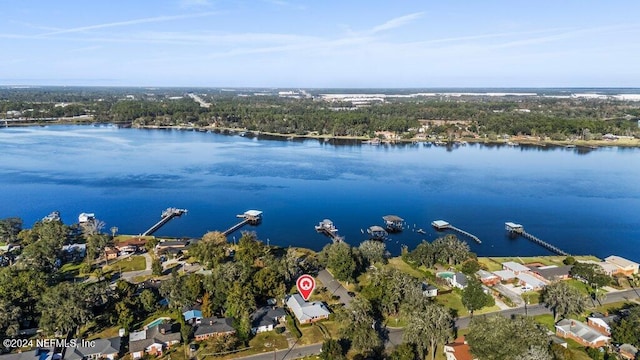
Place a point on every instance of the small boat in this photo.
(570, 146)
(421, 231)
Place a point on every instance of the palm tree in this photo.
(564, 299)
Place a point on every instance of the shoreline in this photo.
(513, 141)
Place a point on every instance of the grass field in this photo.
(132, 263)
(494, 263)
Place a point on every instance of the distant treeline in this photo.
(453, 117)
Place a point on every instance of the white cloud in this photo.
(396, 22)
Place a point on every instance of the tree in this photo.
(341, 261)
(92, 227)
(210, 251)
(470, 267)
(46, 239)
(95, 245)
(125, 315)
(156, 267)
(427, 328)
(473, 296)
(63, 308)
(332, 350)
(591, 273)
(499, 338)
(373, 251)
(564, 299)
(569, 260)
(626, 330)
(9, 318)
(404, 351)
(451, 251)
(250, 249)
(358, 325)
(240, 305)
(207, 308)
(269, 282)
(148, 300)
(423, 254)
(10, 228)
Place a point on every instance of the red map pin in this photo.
(306, 284)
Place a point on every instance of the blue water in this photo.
(582, 202)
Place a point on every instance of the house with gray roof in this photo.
(37, 354)
(428, 290)
(602, 323)
(101, 349)
(515, 267)
(153, 340)
(581, 333)
(213, 327)
(553, 272)
(266, 318)
(307, 312)
(459, 280)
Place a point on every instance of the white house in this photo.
(429, 290)
(266, 318)
(307, 312)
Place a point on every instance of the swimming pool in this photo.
(445, 275)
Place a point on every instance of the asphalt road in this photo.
(295, 352)
(334, 287)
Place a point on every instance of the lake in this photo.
(583, 201)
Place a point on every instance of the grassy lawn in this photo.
(120, 238)
(613, 306)
(132, 263)
(70, 269)
(311, 334)
(532, 296)
(399, 264)
(267, 341)
(546, 320)
(584, 288)
(494, 263)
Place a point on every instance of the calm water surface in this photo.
(582, 202)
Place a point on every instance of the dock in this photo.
(253, 217)
(327, 228)
(393, 223)
(518, 229)
(377, 232)
(167, 215)
(443, 225)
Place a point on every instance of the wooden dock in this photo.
(443, 225)
(327, 228)
(167, 215)
(518, 229)
(253, 217)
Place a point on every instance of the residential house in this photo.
(154, 340)
(192, 316)
(487, 278)
(130, 245)
(553, 272)
(75, 251)
(266, 318)
(307, 312)
(213, 327)
(171, 244)
(429, 290)
(581, 333)
(628, 351)
(37, 354)
(602, 323)
(110, 253)
(515, 267)
(607, 268)
(530, 282)
(458, 350)
(459, 280)
(101, 349)
(625, 267)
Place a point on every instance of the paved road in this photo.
(294, 353)
(334, 287)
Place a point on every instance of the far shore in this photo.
(513, 140)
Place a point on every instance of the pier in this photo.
(253, 217)
(167, 215)
(326, 227)
(443, 225)
(377, 232)
(393, 223)
(518, 229)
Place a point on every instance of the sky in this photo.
(320, 44)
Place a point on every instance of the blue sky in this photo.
(287, 43)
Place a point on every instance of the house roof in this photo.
(580, 330)
(461, 278)
(461, 350)
(603, 321)
(552, 273)
(152, 336)
(266, 316)
(531, 280)
(628, 348)
(483, 274)
(428, 287)
(392, 218)
(192, 314)
(621, 262)
(38, 354)
(214, 325)
(304, 310)
(101, 347)
(514, 266)
(172, 243)
(505, 274)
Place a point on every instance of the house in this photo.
(192, 316)
(515, 267)
(110, 253)
(100, 349)
(505, 275)
(86, 217)
(154, 340)
(37, 354)
(625, 267)
(213, 327)
(553, 272)
(602, 323)
(266, 318)
(458, 350)
(130, 245)
(307, 312)
(530, 282)
(458, 280)
(429, 290)
(75, 250)
(628, 351)
(487, 278)
(581, 333)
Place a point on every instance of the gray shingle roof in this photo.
(102, 346)
(580, 330)
(305, 311)
(152, 336)
(214, 325)
(266, 316)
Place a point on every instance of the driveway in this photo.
(334, 287)
(515, 298)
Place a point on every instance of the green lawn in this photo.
(494, 263)
(532, 296)
(311, 334)
(70, 269)
(546, 320)
(399, 264)
(132, 263)
(584, 288)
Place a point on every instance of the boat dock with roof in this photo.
(393, 223)
(326, 227)
(377, 232)
(252, 217)
(167, 215)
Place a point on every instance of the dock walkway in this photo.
(519, 229)
(443, 225)
(167, 215)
